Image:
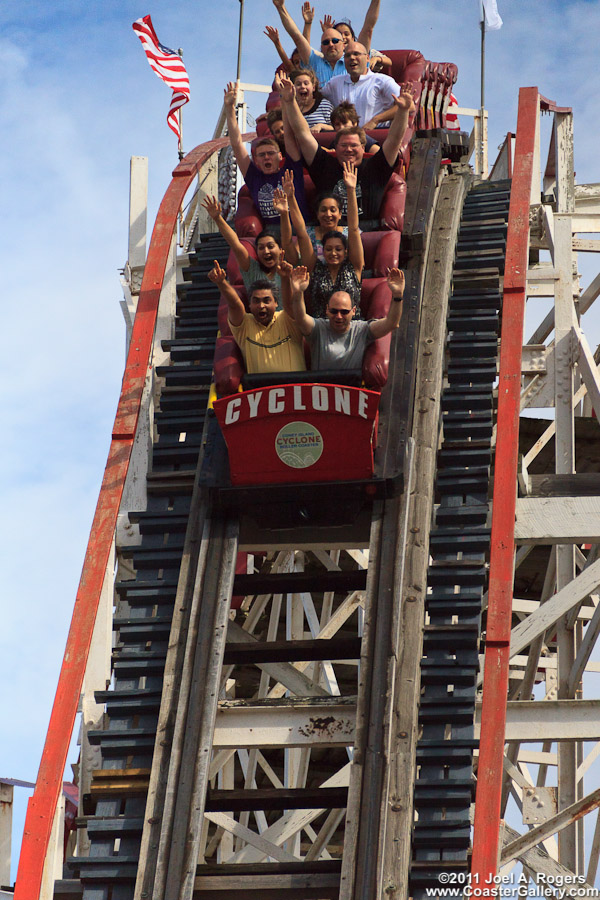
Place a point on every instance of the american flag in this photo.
(169, 66)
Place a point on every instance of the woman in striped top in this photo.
(315, 109)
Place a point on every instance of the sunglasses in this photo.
(328, 41)
(339, 312)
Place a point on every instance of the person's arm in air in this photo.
(308, 14)
(213, 208)
(305, 139)
(235, 307)
(233, 129)
(285, 270)
(356, 253)
(293, 30)
(280, 203)
(404, 106)
(300, 281)
(291, 144)
(273, 35)
(307, 251)
(366, 33)
(380, 327)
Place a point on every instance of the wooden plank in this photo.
(538, 861)
(294, 723)
(563, 819)
(276, 798)
(582, 484)
(402, 711)
(550, 612)
(557, 520)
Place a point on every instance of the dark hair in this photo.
(344, 112)
(327, 195)
(348, 25)
(352, 129)
(261, 285)
(274, 115)
(265, 233)
(335, 234)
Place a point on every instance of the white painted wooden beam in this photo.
(301, 724)
(557, 520)
(550, 720)
(562, 820)
(552, 610)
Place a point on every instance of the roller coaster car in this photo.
(319, 437)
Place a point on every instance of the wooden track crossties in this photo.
(398, 809)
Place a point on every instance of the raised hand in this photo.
(350, 175)
(327, 22)
(280, 201)
(405, 100)
(395, 280)
(278, 4)
(230, 97)
(300, 278)
(286, 89)
(284, 268)
(272, 34)
(287, 183)
(217, 275)
(308, 12)
(212, 207)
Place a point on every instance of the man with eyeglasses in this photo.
(263, 172)
(326, 64)
(326, 170)
(371, 93)
(339, 341)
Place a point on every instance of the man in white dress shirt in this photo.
(371, 93)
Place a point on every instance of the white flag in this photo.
(491, 15)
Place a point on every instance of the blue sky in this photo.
(77, 100)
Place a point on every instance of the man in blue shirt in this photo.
(331, 61)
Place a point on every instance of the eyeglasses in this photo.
(353, 53)
(327, 41)
(339, 312)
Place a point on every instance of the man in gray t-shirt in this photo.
(338, 341)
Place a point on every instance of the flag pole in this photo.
(482, 104)
(239, 56)
(179, 113)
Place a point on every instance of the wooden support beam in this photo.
(293, 723)
(550, 612)
(546, 869)
(557, 823)
(557, 520)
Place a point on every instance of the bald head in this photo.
(340, 311)
(332, 45)
(356, 60)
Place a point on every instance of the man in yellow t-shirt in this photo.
(270, 340)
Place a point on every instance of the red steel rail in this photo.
(42, 804)
(495, 684)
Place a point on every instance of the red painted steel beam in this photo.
(42, 804)
(495, 684)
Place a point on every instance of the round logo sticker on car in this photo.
(299, 445)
